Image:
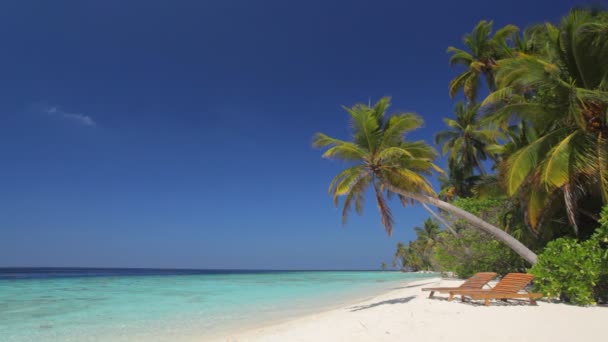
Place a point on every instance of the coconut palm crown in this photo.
(380, 155)
(482, 51)
(467, 139)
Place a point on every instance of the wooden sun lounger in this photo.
(508, 287)
(476, 282)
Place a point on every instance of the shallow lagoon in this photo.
(128, 305)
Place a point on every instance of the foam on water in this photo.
(171, 307)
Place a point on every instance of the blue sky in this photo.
(177, 133)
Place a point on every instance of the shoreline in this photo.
(246, 333)
(236, 331)
(406, 313)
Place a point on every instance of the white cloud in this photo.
(75, 117)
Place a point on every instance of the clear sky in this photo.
(178, 133)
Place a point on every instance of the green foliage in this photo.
(474, 252)
(602, 231)
(557, 85)
(569, 270)
(467, 253)
(417, 255)
(479, 207)
(576, 271)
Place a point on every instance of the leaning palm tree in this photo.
(563, 94)
(467, 139)
(382, 159)
(480, 59)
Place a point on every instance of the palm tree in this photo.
(382, 159)
(480, 59)
(427, 236)
(399, 257)
(563, 94)
(428, 233)
(410, 256)
(466, 140)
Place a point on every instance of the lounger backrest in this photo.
(478, 280)
(513, 282)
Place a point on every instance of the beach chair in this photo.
(476, 282)
(509, 287)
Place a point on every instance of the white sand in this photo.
(406, 314)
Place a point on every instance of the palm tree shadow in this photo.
(416, 285)
(384, 302)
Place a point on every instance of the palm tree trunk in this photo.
(475, 221)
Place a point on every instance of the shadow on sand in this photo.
(415, 285)
(384, 302)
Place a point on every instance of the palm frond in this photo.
(445, 136)
(520, 164)
(356, 194)
(557, 164)
(366, 128)
(535, 207)
(505, 33)
(407, 180)
(394, 152)
(498, 96)
(459, 82)
(398, 126)
(459, 57)
(344, 180)
(385, 212)
(339, 149)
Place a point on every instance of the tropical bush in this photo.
(575, 271)
(569, 270)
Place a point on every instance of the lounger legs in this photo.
(486, 302)
(431, 294)
(450, 297)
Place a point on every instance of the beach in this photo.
(407, 314)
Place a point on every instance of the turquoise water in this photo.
(172, 307)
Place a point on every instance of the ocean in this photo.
(82, 304)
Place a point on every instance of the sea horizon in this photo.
(36, 272)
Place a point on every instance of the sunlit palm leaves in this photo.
(380, 155)
(563, 93)
(482, 51)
